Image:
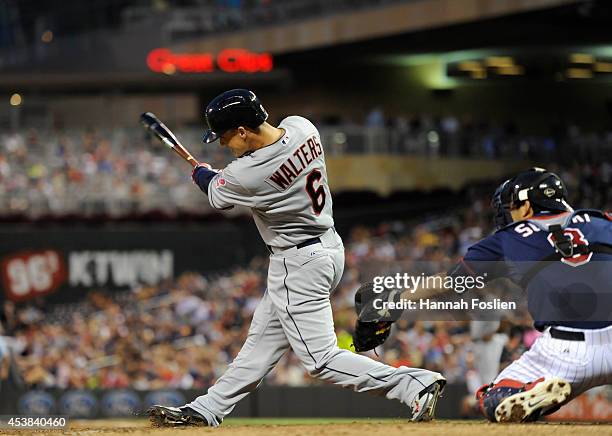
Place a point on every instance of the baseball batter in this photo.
(279, 172)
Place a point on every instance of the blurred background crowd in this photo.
(123, 172)
(184, 333)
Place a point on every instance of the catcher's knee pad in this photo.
(489, 396)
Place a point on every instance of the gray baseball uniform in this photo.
(285, 185)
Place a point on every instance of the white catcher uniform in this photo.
(285, 185)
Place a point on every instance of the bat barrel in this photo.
(165, 135)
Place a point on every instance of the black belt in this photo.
(566, 335)
(308, 242)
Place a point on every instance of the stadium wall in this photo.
(387, 174)
(267, 401)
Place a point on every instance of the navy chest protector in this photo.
(565, 246)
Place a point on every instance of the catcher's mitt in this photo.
(369, 335)
(373, 325)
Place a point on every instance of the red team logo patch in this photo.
(220, 182)
(577, 239)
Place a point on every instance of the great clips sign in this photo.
(231, 60)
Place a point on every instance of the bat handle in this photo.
(194, 163)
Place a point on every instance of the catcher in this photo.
(561, 257)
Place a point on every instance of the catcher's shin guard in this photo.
(515, 401)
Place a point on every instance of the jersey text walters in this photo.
(299, 160)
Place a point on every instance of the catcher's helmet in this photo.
(233, 108)
(544, 190)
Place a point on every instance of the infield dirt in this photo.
(344, 428)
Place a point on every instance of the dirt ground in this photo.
(330, 428)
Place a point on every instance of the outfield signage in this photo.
(231, 60)
(31, 274)
(64, 264)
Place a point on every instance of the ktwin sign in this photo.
(231, 60)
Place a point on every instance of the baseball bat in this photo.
(165, 135)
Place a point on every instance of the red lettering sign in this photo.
(232, 60)
(162, 60)
(31, 274)
(236, 60)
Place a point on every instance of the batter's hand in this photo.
(195, 170)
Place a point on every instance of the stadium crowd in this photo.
(132, 339)
(184, 333)
(123, 172)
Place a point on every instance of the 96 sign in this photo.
(32, 273)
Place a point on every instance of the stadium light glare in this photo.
(430, 69)
(15, 99)
(479, 74)
(169, 69)
(470, 66)
(499, 61)
(603, 51)
(339, 137)
(581, 58)
(603, 67)
(513, 70)
(430, 74)
(47, 36)
(579, 73)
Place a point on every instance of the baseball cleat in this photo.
(165, 416)
(423, 407)
(529, 405)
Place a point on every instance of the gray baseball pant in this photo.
(296, 313)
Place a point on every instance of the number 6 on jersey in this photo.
(317, 195)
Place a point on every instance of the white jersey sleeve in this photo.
(226, 191)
